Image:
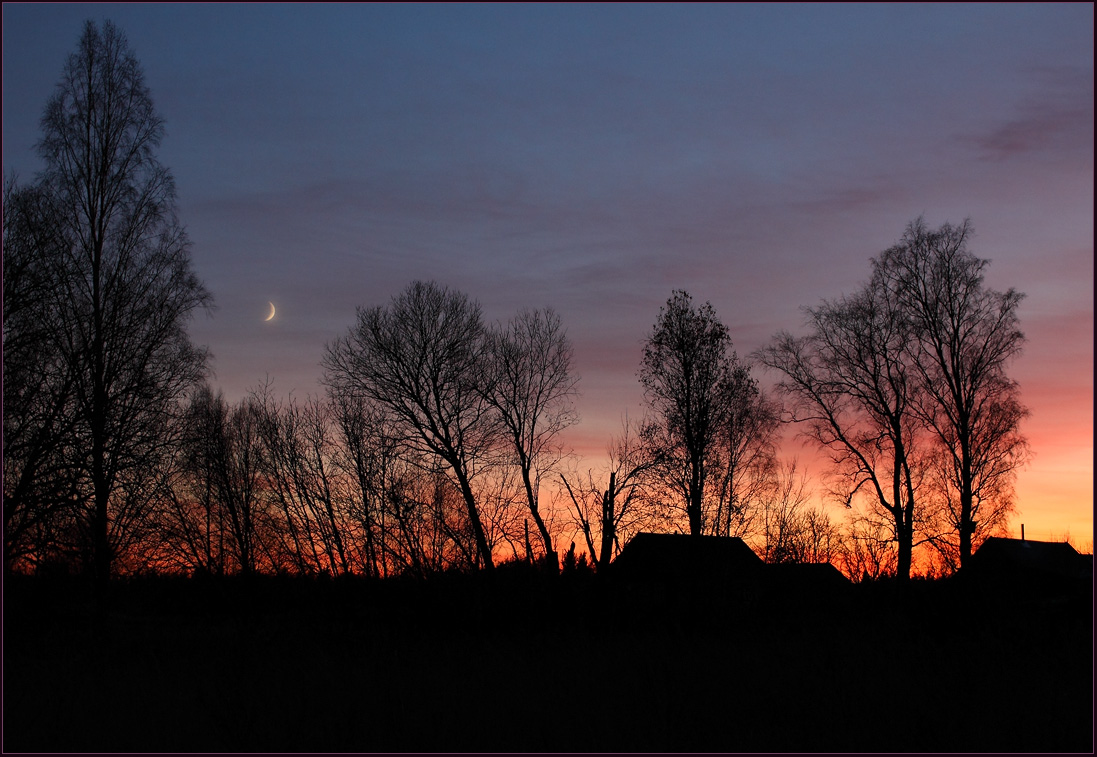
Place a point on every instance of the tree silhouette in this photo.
(301, 477)
(193, 519)
(852, 384)
(705, 405)
(610, 515)
(230, 448)
(745, 461)
(904, 382)
(119, 286)
(372, 455)
(964, 335)
(791, 529)
(422, 358)
(532, 387)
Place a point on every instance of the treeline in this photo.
(439, 441)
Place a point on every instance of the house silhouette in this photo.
(1024, 557)
(681, 557)
(721, 566)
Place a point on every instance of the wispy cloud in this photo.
(1057, 118)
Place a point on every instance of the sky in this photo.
(593, 158)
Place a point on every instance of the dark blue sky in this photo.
(595, 157)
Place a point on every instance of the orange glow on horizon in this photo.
(1053, 492)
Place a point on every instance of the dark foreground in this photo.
(524, 663)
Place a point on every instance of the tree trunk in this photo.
(967, 528)
(98, 421)
(694, 513)
(100, 520)
(474, 517)
(696, 495)
(967, 497)
(551, 558)
(905, 533)
(608, 535)
(693, 510)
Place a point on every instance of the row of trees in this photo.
(903, 384)
(328, 486)
(462, 395)
(437, 430)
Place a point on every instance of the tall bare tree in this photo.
(122, 287)
(853, 385)
(965, 335)
(422, 358)
(533, 390)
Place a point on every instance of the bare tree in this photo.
(866, 551)
(302, 478)
(136, 527)
(227, 455)
(533, 390)
(193, 520)
(422, 358)
(793, 530)
(501, 496)
(701, 396)
(370, 455)
(409, 517)
(609, 515)
(964, 335)
(853, 386)
(122, 288)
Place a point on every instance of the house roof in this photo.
(651, 555)
(1024, 555)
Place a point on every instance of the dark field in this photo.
(523, 662)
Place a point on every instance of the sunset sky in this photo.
(593, 158)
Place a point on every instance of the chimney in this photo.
(1022, 532)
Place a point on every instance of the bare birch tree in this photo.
(122, 287)
(965, 335)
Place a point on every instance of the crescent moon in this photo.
(271, 311)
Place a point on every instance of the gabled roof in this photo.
(1026, 556)
(676, 556)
